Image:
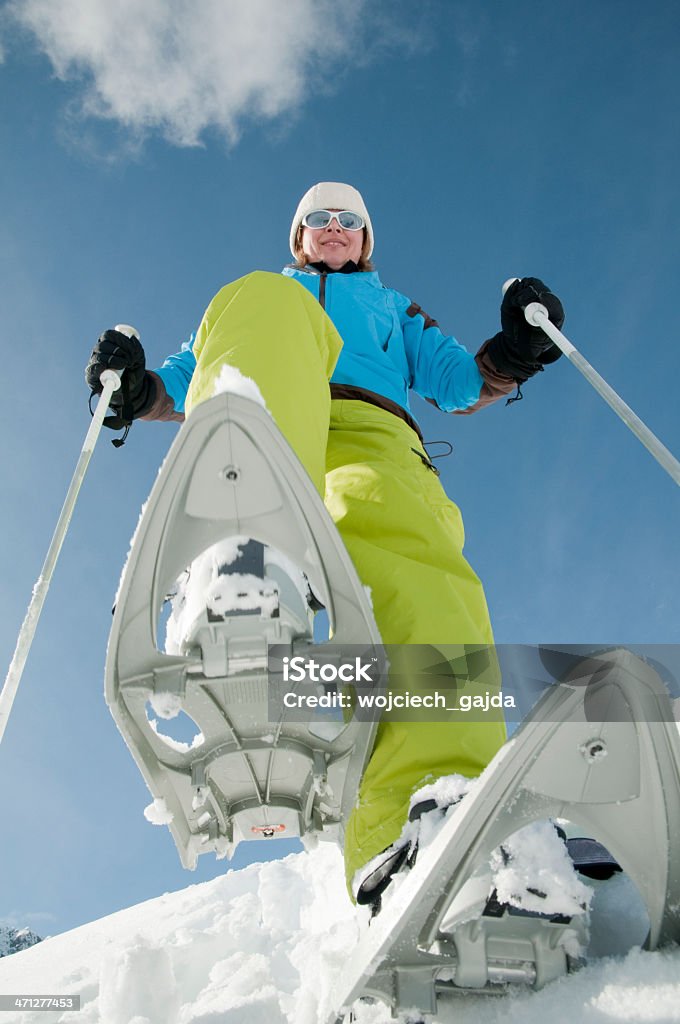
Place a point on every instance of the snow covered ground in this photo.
(262, 946)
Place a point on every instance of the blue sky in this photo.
(151, 155)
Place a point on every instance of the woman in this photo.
(329, 318)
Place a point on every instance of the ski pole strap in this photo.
(518, 396)
(121, 420)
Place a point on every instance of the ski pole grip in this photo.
(129, 332)
(506, 284)
(112, 377)
(534, 312)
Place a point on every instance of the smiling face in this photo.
(332, 245)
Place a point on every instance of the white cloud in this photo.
(184, 66)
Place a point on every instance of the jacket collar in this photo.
(349, 268)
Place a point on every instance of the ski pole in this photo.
(537, 315)
(110, 381)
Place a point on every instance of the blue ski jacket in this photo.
(390, 347)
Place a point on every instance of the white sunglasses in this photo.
(322, 218)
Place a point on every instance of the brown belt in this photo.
(354, 394)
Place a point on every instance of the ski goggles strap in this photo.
(347, 219)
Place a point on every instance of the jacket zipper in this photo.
(322, 290)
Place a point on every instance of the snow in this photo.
(203, 586)
(263, 945)
(447, 790)
(536, 861)
(157, 812)
(166, 705)
(232, 380)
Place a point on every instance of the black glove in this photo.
(115, 351)
(521, 350)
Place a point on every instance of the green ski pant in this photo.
(403, 534)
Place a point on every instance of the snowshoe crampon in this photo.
(600, 749)
(252, 771)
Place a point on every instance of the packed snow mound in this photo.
(263, 945)
(252, 946)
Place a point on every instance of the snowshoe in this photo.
(254, 770)
(601, 750)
